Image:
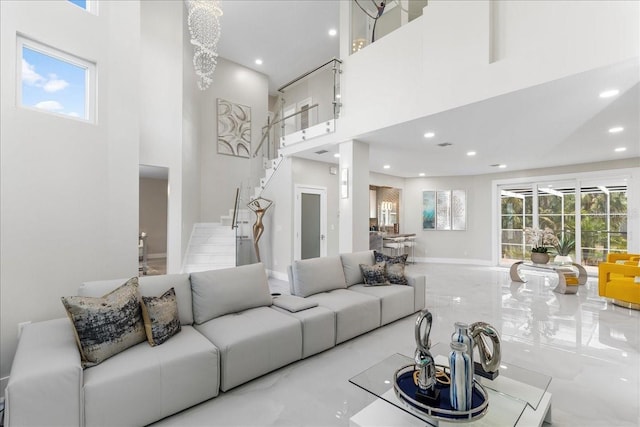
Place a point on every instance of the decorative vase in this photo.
(562, 259)
(461, 389)
(539, 257)
(463, 335)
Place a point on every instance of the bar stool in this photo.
(410, 242)
(395, 245)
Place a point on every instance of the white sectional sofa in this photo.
(232, 331)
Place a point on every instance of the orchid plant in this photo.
(540, 240)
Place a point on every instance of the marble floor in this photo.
(590, 347)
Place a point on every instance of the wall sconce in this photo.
(344, 183)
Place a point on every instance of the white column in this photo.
(354, 208)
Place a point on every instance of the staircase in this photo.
(212, 246)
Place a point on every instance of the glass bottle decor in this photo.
(461, 388)
(463, 335)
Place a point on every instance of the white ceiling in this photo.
(558, 123)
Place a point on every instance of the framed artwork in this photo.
(234, 129)
(458, 210)
(444, 210)
(428, 210)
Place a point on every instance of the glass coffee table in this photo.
(517, 397)
(569, 275)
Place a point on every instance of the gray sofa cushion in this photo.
(252, 343)
(149, 286)
(293, 304)
(351, 265)
(314, 275)
(145, 384)
(396, 301)
(355, 312)
(229, 290)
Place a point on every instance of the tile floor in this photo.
(590, 347)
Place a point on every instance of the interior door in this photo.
(310, 222)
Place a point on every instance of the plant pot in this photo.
(539, 257)
(562, 259)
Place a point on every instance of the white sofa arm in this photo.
(419, 284)
(45, 384)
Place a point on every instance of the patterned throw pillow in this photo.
(160, 314)
(107, 325)
(395, 267)
(374, 275)
(395, 274)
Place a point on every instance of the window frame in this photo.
(90, 95)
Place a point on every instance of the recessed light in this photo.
(422, 174)
(429, 135)
(333, 32)
(258, 61)
(502, 166)
(616, 129)
(471, 153)
(386, 166)
(620, 149)
(337, 155)
(609, 93)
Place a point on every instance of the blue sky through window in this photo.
(52, 84)
(81, 3)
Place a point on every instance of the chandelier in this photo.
(204, 27)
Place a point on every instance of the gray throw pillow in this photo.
(160, 315)
(107, 325)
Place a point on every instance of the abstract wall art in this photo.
(428, 210)
(234, 129)
(444, 210)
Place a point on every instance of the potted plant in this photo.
(563, 246)
(540, 240)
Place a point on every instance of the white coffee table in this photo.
(517, 397)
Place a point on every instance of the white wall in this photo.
(222, 174)
(161, 91)
(191, 100)
(475, 243)
(69, 193)
(460, 52)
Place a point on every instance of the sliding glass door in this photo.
(592, 213)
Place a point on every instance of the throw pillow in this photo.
(395, 267)
(160, 315)
(380, 257)
(395, 274)
(374, 275)
(107, 325)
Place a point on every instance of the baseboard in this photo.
(3, 384)
(482, 262)
(278, 275)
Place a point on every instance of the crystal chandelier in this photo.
(204, 27)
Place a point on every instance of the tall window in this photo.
(598, 224)
(56, 82)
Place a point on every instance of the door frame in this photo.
(297, 218)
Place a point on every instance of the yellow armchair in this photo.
(619, 280)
